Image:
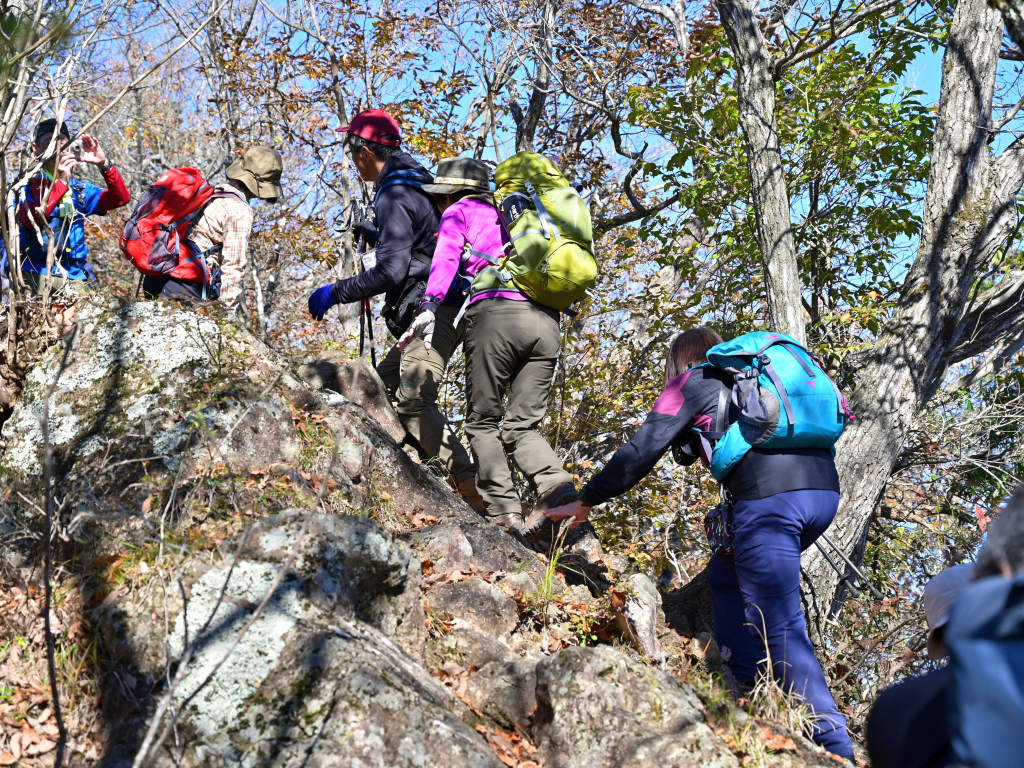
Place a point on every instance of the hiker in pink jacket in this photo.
(469, 238)
(511, 346)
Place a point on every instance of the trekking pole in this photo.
(369, 330)
(842, 575)
(853, 567)
(362, 304)
(365, 313)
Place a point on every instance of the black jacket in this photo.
(407, 222)
(909, 724)
(691, 400)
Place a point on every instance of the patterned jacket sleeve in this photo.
(237, 228)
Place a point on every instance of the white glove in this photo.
(422, 325)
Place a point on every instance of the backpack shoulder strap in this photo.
(721, 422)
(413, 179)
(468, 250)
(221, 193)
(218, 194)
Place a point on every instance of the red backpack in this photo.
(155, 238)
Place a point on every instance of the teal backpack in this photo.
(784, 400)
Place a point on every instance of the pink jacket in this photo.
(470, 222)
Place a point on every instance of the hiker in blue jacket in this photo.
(67, 202)
(985, 638)
(783, 500)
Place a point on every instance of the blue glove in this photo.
(321, 300)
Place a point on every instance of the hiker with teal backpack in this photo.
(763, 416)
(524, 254)
(405, 234)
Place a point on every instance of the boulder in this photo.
(478, 604)
(596, 708)
(335, 697)
(505, 691)
(327, 670)
(468, 648)
(642, 617)
(688, 608)
(356, 381)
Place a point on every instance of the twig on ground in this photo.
(44, 421)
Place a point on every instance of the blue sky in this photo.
(926, 74)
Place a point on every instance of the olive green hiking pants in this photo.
(413, 378)
(511, 347)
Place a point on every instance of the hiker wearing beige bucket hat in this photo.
(259, 170)
(221, 231)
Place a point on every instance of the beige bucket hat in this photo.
(259, 168)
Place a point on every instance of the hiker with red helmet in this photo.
(218, 236)
(406, 221)
(68, 202)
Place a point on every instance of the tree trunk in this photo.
(526, 128)
(1013, 15)
(969, 211)
(755, 89)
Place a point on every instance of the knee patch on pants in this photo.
(420, 375)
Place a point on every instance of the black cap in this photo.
(48, 125)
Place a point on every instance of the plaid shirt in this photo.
(226, 220)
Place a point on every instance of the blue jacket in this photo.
(70, 250)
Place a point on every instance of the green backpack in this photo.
(549, 223)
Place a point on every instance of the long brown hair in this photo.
(688, 349)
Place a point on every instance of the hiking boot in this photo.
(538, 524)
(467, 490)
(508, 523)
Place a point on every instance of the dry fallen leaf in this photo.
(6, 758)
(775, 741)
(42, 746)
(422, 520)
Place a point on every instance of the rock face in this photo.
(329, 667)
(597, 708)
(479, 605)
(269, 570)
(357, 381)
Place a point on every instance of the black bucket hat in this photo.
(455, 174)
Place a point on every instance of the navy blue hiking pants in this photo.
(755, 597)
